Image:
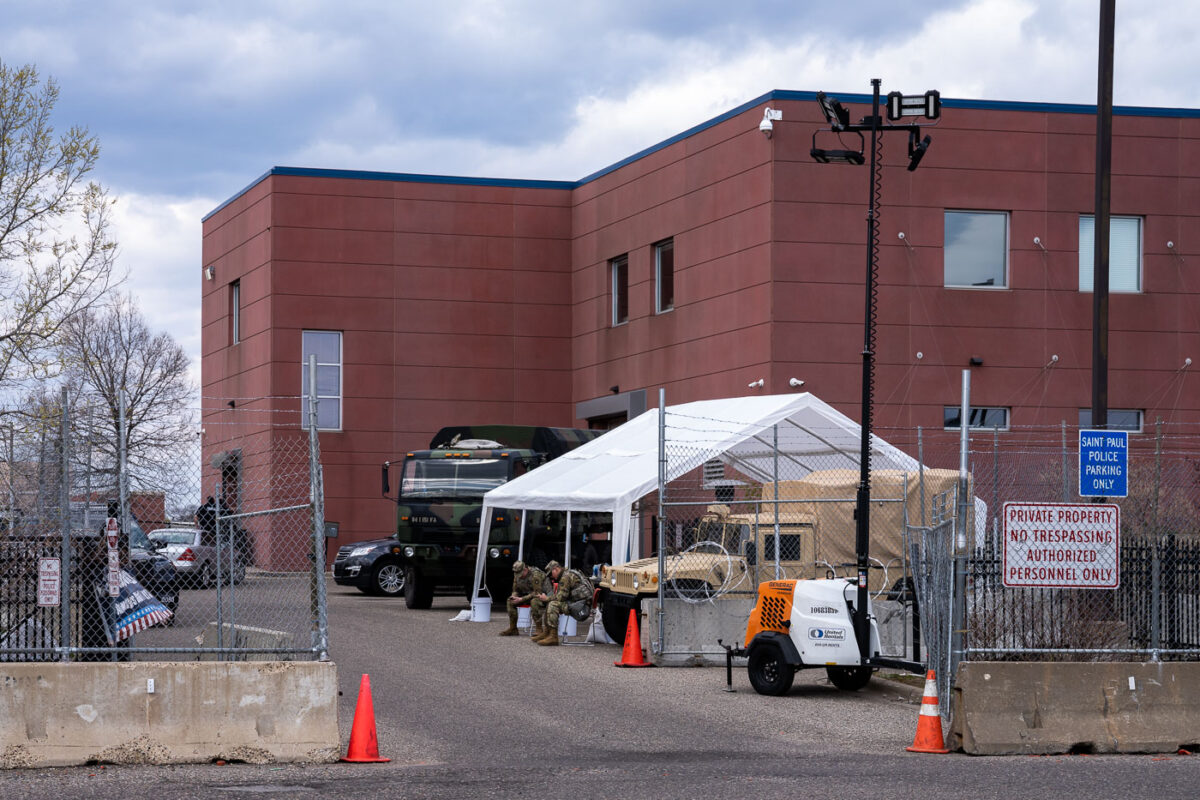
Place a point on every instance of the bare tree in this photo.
(56, 255)
(110, 351)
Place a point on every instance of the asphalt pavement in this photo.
(463, 713)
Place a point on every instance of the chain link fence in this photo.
(1072, 580)
(783, 507)
(208, 550)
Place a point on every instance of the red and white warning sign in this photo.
(1062, 545)
(49, 586)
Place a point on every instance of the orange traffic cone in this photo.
(631, 655)
(929, 722)
(364, 746)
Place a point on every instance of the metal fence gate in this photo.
(215, 560)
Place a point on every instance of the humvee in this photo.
(732, 548)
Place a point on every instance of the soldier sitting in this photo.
(527, 584)
(573, 596)
(537, 604)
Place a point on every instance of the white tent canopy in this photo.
(610, 473)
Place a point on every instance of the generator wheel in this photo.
(849, 679)
(769, 673)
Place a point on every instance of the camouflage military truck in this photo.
(439, 500)
(732, 548)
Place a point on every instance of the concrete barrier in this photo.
(69, 714)
(1001, 708)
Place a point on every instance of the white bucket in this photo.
(481, 609)
(566, 625)
(524, 617)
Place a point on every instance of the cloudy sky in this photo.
(193, 101)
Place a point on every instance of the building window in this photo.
(664, 276)
(975, 249)
(1124, 253)
(1119, 419)
(235, 312)
(327, 347)
(619, 267)
(980, 417)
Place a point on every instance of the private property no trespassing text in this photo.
(1062, 545)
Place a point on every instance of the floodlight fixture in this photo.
(916, 150)
(835, 113)
(837, 156)
(840, 155)
(928, 105)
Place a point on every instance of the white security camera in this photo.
(769, 114)
(758, 384)
(796, 382)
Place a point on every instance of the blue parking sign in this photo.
(1103, 463)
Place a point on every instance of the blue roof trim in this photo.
(405, 177)
(777, 94)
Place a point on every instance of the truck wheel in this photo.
(616, 618)
(769, 673)
(849, 679)
(418, 593)
(387, 579)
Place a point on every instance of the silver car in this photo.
(194, 554)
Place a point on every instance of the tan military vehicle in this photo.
(806, 531)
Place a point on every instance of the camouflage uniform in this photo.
(525, 588)
(574, 595)
(537, 606)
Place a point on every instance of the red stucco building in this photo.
(702, 265)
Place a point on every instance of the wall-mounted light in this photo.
(758, 384)
(769, 114)
(209, 272)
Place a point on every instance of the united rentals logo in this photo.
(837, 634)
(823, 610)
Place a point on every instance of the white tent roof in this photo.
(616, 469)
(612, 472)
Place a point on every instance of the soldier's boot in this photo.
(549, 640)
(539, 636)
(538, 631)
(511, 630)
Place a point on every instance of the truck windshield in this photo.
(452, 477)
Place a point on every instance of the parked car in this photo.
(153, 570)
(194, 553)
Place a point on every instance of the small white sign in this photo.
(1062, 545)
(49, 581)
(114, 558)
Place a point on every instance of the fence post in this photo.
(320, 633)
(958, 612)
(662, 499)
(1155, 552)
(64, 499)
(1066, 480)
